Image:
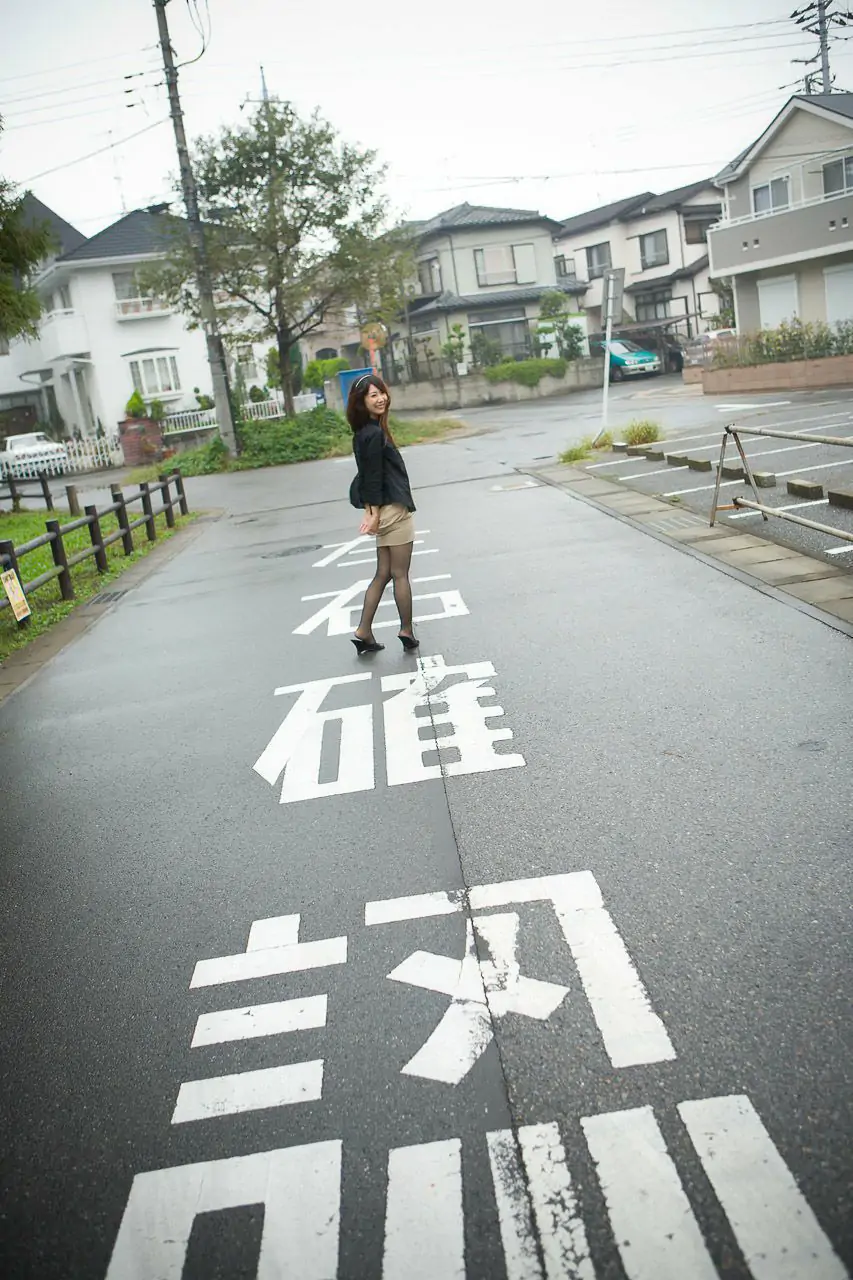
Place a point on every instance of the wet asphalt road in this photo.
(683, 740)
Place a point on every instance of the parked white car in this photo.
(23, 457)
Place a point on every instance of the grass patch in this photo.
(529, 373)
(580, 452)
(47, 605)
(319, 433)
(641, 431)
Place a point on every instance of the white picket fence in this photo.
(94, 453)
(262, 411)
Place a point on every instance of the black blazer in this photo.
(382, 475)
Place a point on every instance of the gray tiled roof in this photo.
(603, 214)
(478, 301)
(672, 199)
(683, 273)
(133, 236)
(476, 215)
(66, 236)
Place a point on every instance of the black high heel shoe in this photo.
(366, 646)
(409, 642)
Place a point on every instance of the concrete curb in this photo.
(24, 664)
(802, 582)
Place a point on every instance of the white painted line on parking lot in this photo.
(734, 408)
(424, 1226)
(794, 506)
(780, 1237)
(798, 471)
(656, 1232)
(750, 453)
(254, 1021)
(840, 551)
(249, 1091)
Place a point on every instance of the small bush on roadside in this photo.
(641, 431)
(319, 433)
(206, 460)
(576, 452)
(604, 441)
(529, 373)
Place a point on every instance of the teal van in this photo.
(627, 360)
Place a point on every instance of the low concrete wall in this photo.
(474, 389)
(692, 374)
(796, 375)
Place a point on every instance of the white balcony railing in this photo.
(138, 308)
(811, 203)
(62, 333)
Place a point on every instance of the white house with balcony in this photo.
(101, 337)
(486, 270)
(661, 243)
(786, 237)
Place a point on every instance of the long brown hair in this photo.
(358, 415)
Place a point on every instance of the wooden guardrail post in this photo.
(97, 540)
(182, 497)
(8, 559)
(60, 559)
(73, 499)
(45, 491)
(14, 495)
(148, 508)
(168, 506)
(123, 519)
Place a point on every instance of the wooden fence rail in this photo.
(12, 488)
(55, 533)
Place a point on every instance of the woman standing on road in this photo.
(382, 489)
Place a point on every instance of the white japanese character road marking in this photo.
(630, 1029)
(462, 725)
(296, 748)
(340, 615)
(479, 992)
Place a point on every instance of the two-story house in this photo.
(786, 238)
(484, 269)
(661, 242)
(101, 337)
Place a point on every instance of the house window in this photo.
(653, 305)
(565, 267)
(598, 260)
(696, 232)
(125, 285)
(155, 375)
(426, 325)
(429, 275)
(654, 250)
(838, 176)
(246, 361)
(771, 196)
(505, 264)
(505, 331)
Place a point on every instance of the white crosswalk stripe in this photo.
(539, 1207)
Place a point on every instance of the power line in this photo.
(83, 115)
(69, 66)
(90, 154)
(73, 102)
(90, 84)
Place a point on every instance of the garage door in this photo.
(839, 293)
(777, 300)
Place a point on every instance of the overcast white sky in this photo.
(557, 108)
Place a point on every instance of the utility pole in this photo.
(818, 18)
(823, 34)
(215, 349)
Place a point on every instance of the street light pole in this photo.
(215, 350)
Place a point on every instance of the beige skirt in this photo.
(396, 526)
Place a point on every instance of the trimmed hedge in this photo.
(529, 373)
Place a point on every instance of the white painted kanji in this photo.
(417, 720)
(340, 615)
(455, 717)
(479, 992)
(362, 550)
(295, 750)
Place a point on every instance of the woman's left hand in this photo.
(370, 525)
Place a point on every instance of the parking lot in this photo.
(829, 466)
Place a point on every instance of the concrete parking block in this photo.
(699, 464)
(655, 455)
(764, 479)
(637, 450)
(805, 489)
(733, 471)
(620, 446)
(677, 460)
(841, 498)
(824, 590)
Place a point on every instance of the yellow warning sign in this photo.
(15, 595)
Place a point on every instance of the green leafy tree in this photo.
(318, 372)
(554, 319)
(293, 218)
(274, 369)
(453, 349)
(23, 246)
